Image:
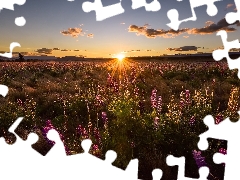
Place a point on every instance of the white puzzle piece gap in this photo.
(12, 46)
(102, 12)
(232, 17)
(173, 14)
(3, 90)
(56, 164)
(226, 130)
(180, 162)
(9, 4)
(20, 21)
(224, 53)
(153, 6)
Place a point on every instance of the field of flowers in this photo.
(144, 110)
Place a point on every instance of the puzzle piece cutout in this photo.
(173, 14)
(221, 53)
(180, 162)
(232, 136)
(102, 12)
(56, 164)
(9, 4)
(153, 6)
(12, 46)
(232, 17)
(3, 90)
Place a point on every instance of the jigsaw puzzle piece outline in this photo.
(153, 6)
(219, 54)
(12, 46)
(217, 132)
(3, 90)
(180, 162)
(173, 14)
(9, 4)
(102, 12)
(232, 17)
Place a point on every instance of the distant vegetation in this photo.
(138, 109)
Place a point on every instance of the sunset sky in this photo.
(61, 28)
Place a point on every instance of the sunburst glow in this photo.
(120, 57)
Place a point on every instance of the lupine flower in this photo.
(159, 104)
(187, 93)
(218, 119)
(156, 122)
(45, 131)
(200, 161)
(104, 117)
(223, 151)
(97, 136)
(192, 120)
(83, 132)
(154, 98)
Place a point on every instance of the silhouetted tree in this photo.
(20, 57)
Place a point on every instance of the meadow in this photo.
(140, 109)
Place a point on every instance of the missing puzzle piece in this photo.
(180, 162)
(9, 4)
(231, 136)
(224, 53)
(12, 46)
(173, 14)
(102, 12)
(153, 6)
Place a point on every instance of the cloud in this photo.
(212, 28)
(229, 5)
(90, 35)
(74, 32)
(152, 33)
(44, 51)
(122, 23)
(56, 49)
(235, 50)
(184, 48)
(64, 50)
(76, 49)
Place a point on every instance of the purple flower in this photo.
(154, 98)
(159, 104)
(45, 130)
(104, 117)
(223, 151)
(187, 93)
(192, 120)
(218, 119)
(200, 161)
(156, 122)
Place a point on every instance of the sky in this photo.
(61, 28)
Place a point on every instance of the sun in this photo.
(120, 57)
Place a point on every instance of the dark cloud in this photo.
(56, 49)
(184, 48)
(44, 51)
(76, 49)
(74, 32)
(212, 28)
(64, 50)
(152, 33)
